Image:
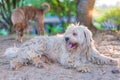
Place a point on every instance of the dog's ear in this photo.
(88, 36)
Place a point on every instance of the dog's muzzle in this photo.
(69, 44)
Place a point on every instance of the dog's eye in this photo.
(74, 34)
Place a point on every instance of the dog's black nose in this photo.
(66, 38)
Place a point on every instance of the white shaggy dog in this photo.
(75, 49)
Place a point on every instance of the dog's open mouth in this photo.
(71, 45)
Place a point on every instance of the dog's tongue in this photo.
(69, 45)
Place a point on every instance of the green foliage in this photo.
(35, 3)
(53, 29)
(6, 7)
(112, 13)
(62, 7)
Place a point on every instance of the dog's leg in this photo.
(81, 67)
(40, 25)
(17, 63)
(20, 36)
(19, 27)
(96, 57)
(37, 61)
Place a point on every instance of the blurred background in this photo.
(95, 14)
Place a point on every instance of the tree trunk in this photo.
(84, 9)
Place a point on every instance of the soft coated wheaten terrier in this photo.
(74, 49)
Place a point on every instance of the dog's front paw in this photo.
(111, 62)
(40, 65)
(83, 69)
(37, 62)
(108, 61)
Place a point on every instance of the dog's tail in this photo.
(45, 6)
(11, 52)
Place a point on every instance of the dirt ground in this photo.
(107, 44)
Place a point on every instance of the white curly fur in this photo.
(11, 52)
(74, 49)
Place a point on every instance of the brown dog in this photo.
(20, 17)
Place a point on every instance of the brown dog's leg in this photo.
(20, 35)
(19, 28)
(40, 25)
(42, 28)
